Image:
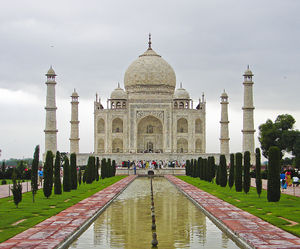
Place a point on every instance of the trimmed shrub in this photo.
(57, 181)
(258, 180)
(273, 186)
(16, 189)
(247, 179)
(34, 172)
(67, 176)
(231, 172)
(73, 170)
(48, 174)
(238, 172)
(223, 171)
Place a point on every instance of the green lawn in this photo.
(288, 207)
(43, 208)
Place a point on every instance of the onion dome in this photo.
(224, 94)
(181, 93)
(150, 74)
(50, 72)
(75, 94)
(118, 93)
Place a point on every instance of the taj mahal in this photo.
(149, 119)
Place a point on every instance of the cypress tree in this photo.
(273, 186)
(238, 172)
(3, 170)
(79, 177)
(187, 167)
(57, 181)
(90, 170)
(247, 179)
(97, 169)
(223, 171)
(195, 168)
(103, 165)
(48, 174)
(218, 173)
(108, 167)
(67, 176)
(34, 171)
(204, 164)
(84, 175)
(231, 171)
(16, 189)
(199, 167)
(73, 170)
(209, 169)
(114, 167)
(212, 169)
(258, 172)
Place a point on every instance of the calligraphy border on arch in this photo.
(157, 114)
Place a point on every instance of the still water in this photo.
(126, 223)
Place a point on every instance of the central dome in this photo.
(150, 74)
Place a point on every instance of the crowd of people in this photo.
(153, 164)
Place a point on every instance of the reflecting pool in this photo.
(126, 223)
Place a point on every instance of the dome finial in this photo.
(149, 41)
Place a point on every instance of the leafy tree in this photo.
(247, 179)
(223, 171)
(16, 189)
(34, 172)
(48, 174)
(57, 181)
(97, 169)
(67, 176)
(273, 185)
(231, 171)
(281, 134)
(238, 172)
(258, 172)
(73, 171)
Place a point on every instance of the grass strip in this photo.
(9, 181)
(29, 214)
(276, 213)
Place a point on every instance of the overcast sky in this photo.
(90, 44)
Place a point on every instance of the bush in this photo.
(223, 171)
(73, 170)
(273, 186)
(246, 183)
(258, 180)
(57, 181)
(67, 176)
(48, 174)
(231, 172)
(238, 172)
(3, 182)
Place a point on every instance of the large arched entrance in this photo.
(150, 135)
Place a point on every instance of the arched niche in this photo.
(150, 135)
(198, 145)
(117, 125)
(198, 125)
(182, 125)
(100, 147)
(101, 126)
(117, 145)
(182, 145)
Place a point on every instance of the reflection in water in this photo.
(126, 223)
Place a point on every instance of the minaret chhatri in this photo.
(224, 136)
(50, 129)
(248, 120)
(74, 137)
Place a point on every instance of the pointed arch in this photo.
(101, 126)
(182, 125)
(198, 125)
(117, 125)
(182, 145)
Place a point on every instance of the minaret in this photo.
(248, 121)
(50, 129)
(74, 137)
(224, 136)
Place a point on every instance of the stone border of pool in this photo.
(61, 230)
(245, 229)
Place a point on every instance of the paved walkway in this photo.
(52, 232)
(249, 228)
(5, 191)
(289, 191)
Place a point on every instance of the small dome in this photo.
(224, 95)
(181, 93)
(118, 93)
(248, 72)
(75, 94)
(50, 72)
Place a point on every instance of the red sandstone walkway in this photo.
(289, 191)
(249, 228)
(52, 232)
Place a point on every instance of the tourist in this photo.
(40, 173)
(134, 167)
(288, 178)
(295, 181)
